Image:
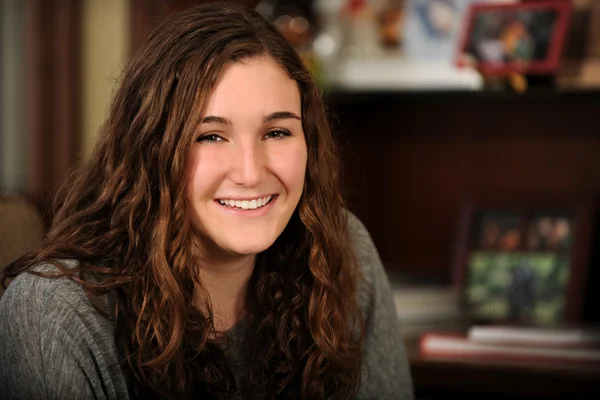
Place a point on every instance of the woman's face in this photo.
(248, 161)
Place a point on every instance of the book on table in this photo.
(535, 336)
(515, 343)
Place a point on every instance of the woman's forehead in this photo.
(256, 85)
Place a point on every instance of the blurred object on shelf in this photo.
(579, 343)
(523, 258)
(518, 83)
(299, 24)
(361, 32)
(395, 73)
(358, 45)
(329, 40)
(391, 25)
(295, 19)
(426, 306)
(594, 29)
(522, 38)
(581, 65)
(412, 45)
(450, 346)
(351, 30)
(526, 336)
(432, 28)
(585, 77)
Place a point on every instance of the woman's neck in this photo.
(226, 283)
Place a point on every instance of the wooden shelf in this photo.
(398, 96)
(476, 379)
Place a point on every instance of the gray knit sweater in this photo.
(55, 345)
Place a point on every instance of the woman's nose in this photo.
(248, 167)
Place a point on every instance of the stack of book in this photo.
(427, 307)
(516, 343)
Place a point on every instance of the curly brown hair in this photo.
(123, 216)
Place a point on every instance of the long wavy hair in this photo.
(123, 216)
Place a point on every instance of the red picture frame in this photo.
(520, 214)
(523, 38)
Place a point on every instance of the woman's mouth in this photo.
(251, 204)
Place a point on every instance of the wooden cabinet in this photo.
(411, 157)
(438, 379)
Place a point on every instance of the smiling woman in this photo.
(204, 251)
(249, 150)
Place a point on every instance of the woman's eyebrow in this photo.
(211, 119)
(281, 115)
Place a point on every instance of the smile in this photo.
(246, 204)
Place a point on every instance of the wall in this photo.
(105, 52)
(13, 163)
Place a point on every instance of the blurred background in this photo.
(423, 122)
(419, 133)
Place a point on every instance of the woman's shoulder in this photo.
(57, 339)
(32, 287)
(373, 290)
(54, 308)
(367, 257)
(47, 300)
(384, 357)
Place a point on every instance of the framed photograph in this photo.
(524, 38)
(432, 28)
(524, 260)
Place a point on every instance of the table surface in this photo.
(441, 378)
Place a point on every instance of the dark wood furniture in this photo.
(477, 379)
(410, 159)
(422, 152)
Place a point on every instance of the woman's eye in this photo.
(211, 137)
(277, 134)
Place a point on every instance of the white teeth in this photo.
(246, 204)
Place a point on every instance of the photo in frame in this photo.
(524, 260)
(432, 28)
(524, 38)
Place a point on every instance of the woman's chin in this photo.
(247, 248)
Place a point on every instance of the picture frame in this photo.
(514, 38)
(523, 259)
(432, 29)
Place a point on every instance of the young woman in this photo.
(204, 250)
